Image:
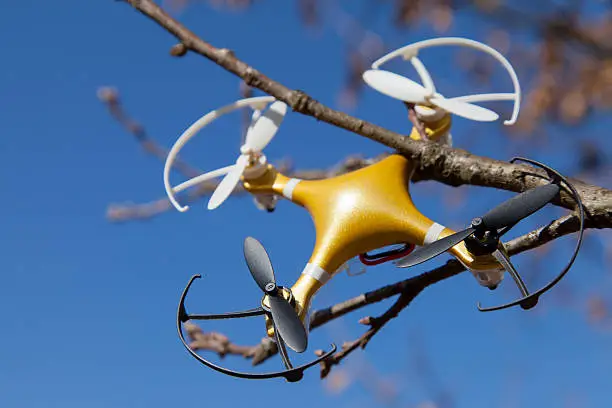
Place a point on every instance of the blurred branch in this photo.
(220, 344)
(110, 97)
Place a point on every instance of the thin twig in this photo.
(416, 122)
(110, 97)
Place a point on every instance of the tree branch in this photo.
(448, 165)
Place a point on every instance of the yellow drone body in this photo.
(365, 209)
(353, 213)
(358, 212)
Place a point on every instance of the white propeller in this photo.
(260, 132)
(258, 136)
(407, 90)
(404, 89)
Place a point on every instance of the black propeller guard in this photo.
(291, 374)
(482, 237)
(530, 300)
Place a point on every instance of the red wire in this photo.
(388, 258)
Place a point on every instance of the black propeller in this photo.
(286, 320)
(505, 215)
(288, 328)
(483, 235)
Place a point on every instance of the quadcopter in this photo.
(365, 210)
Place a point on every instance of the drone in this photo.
(367, 209)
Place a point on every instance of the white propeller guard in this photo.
(256, 103)
(411, 51)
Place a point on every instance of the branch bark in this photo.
(448, 165)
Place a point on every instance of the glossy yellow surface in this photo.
(358, 212)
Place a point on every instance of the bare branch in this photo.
(442, 163)
(375, 323)
(220, 344)
(110, 97)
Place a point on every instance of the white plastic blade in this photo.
(467, 110)
(262, 131)
(395, 86)
(203, 177)
(227, 185)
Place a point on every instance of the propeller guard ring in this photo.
(410, 52)
(256, 103)
(291, 374)
(531, 300)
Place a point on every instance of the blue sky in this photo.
(87, 307)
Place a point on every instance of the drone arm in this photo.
(270, 181)
(485, 268)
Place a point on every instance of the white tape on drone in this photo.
(289, 187)
(316, 272)
(433, 233)
(410, 52)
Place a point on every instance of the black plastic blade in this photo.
(520, 206)
(427, 252)
(258, 261)
(289, 325)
